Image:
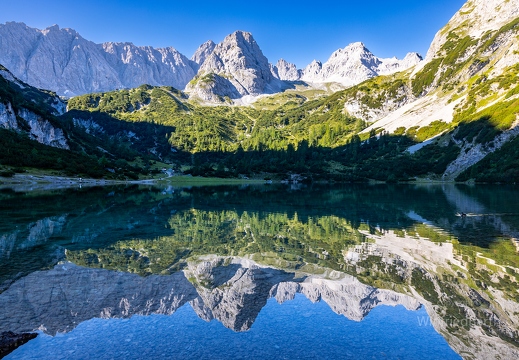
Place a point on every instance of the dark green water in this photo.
(342, 272)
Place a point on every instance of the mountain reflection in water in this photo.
(70, 257)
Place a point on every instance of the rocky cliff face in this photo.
(8, 117)
(475, 18)
(203, 52)
(63, 61)
(235, 68)
(39, 129)
(19, 118)
(43, 131)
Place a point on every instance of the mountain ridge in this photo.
(78, 66)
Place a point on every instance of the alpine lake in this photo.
(260, 272)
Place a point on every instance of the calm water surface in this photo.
(360, 272)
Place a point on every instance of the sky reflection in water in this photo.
(295, 329)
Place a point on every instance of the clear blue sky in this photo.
(297, 31)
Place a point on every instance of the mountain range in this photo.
(62, 61)
(451, 116)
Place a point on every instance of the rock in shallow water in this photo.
(9, 341)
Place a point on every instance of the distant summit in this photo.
(348, 66)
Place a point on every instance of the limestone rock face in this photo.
(43, 131)
(39, 128)
(63, 61)
(203, 52)
(213, 88)
(137, 65)
(8, 117)
(235, 68)
(35, 124)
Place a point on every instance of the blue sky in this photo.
(297, 31)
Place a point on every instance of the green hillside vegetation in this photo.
(308, 138)
(89, 156)
(19, 152)
(223, 128)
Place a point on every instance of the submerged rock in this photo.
(9, 341)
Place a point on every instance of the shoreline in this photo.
(28, 182)
(23, 182)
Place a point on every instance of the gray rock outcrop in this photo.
(203, 52)
(38, 128)
(287, 71)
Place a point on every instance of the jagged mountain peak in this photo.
(203, 52)
(240, 36)
(285, 70)
(51, 28)
(241, 44)
(413, 56)
(355, 46)
(235, 68)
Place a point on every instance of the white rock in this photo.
(7, 117)
(43, 131)
(475, 18)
